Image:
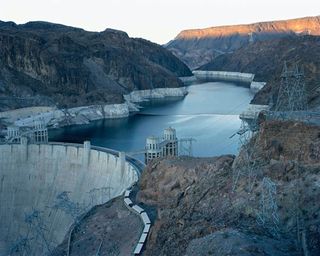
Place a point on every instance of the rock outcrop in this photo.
(197, 47)
(266, 60)
(199, 213)
(106, 230)
(50, 64)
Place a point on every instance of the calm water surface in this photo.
(209, 114)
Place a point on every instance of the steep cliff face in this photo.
(45, 63)
(197, 47)
(199, 213)
(266, 60)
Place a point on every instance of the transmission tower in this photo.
(292, 93)
(248, 167)
(20, 247)
(251, 40)
(64, 203)
(186, 147)
(37, 226)
(268, 213)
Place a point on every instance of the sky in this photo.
(156, 20)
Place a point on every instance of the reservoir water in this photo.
(209, 114)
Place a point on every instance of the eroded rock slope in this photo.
(199, 213)
(50, 64)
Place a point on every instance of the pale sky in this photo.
(155, 20)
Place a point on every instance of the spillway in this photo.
(45, 188)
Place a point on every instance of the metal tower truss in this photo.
(65, 204)
(292, 93)
(268, 216)
(186, 147)
(249, 167)
(38, 228)
(21, 247)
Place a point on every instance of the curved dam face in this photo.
(45, 188)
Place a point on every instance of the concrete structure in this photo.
(47, 187)
(256, 86)
(37, 134)
(188, 80)
(13, 134)
(223, 75)
(168, 146)
(252, 112)
(153, 149)
(157, 93)
(170, 142)
(207, 76)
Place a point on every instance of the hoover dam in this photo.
(45, 188)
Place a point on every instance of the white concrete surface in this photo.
(33, 176)
(187, 80)
(157, 93)
(137, 208)
(253, 111)
(127, 193)
(223, 75)
(128, 202)
(143, 238)
(138, 249)
(256, 86)
(146, 228)
(145, 218)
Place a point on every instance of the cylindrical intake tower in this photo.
(153, 149)
(170, 147)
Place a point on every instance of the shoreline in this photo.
(53, 117)
(200, 76)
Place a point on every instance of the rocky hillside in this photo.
(106, 230)
(265, 59)
(49, 64)
(199, 212)
(197, 47)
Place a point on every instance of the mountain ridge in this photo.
(252, 27)
(197, 47)
(265, 59)
(51, 64)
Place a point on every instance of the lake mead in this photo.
(209, 114)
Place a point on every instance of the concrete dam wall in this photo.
(223, 75)
(45, 188)
(208, 76)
